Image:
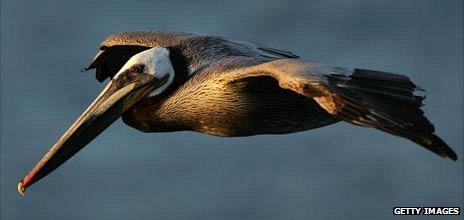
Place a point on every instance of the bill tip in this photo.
(21, 189)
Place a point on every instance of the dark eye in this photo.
(137, 68)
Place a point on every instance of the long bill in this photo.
(118, 96)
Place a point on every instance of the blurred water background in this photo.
(340, 171)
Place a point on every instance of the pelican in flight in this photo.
(162, 81)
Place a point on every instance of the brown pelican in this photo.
(170, 81)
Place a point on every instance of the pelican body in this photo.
(163, 81)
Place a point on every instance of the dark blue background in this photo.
(338, 171)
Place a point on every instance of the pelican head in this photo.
(145, 74)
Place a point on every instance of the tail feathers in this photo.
(385, 101)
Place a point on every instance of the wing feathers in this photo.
(385, 101)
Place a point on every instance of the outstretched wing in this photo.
(385, 101)
(193, 49)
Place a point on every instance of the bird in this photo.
(166, 81)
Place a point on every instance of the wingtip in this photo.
(440, 147)
(21, 189)
(84, 69)
(452, 155)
